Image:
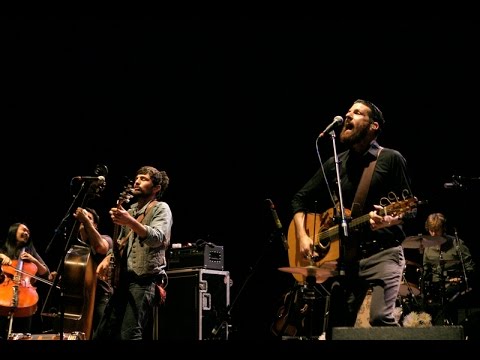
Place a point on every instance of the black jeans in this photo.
(128, 312)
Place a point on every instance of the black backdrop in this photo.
(231, 110)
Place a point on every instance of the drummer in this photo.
(448, 270)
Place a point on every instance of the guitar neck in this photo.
(394, 209)
(116, 233)
(114, 270)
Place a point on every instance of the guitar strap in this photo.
(363, 186)
(140, 218)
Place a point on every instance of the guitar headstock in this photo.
(402, 208)
(125, 195)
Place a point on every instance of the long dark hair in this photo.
(10, 247)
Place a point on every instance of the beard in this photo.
(354, 136)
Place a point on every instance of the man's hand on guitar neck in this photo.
(379, 222)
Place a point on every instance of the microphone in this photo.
(337, 121)
(453, 185)
(278, 224)
(90, 178)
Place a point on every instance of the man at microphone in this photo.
(143, 237)
(371, 255)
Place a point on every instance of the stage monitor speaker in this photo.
(398, 333)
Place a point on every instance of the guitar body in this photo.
(315, 224)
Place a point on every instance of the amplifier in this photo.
(207, 256)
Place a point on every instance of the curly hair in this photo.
(159, 177)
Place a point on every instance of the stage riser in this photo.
(399, 333)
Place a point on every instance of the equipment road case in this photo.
(196, 305)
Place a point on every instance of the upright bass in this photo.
(78, 278)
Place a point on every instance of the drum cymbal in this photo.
(321, 273)
(423, 241)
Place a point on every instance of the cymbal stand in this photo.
(443, 293)
(411, 292)
(466, 288)
(308, 291)
(456, 241)
(309, 296)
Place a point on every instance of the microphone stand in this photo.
(341, 220)
(343, 234)
(443, 294)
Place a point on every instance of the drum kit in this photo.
(420, 291)
(412, 281)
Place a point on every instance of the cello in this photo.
(18, 297)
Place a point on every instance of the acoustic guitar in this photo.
(325, 234)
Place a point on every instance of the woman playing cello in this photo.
(20, 262)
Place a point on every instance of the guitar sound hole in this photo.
(322, 250)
